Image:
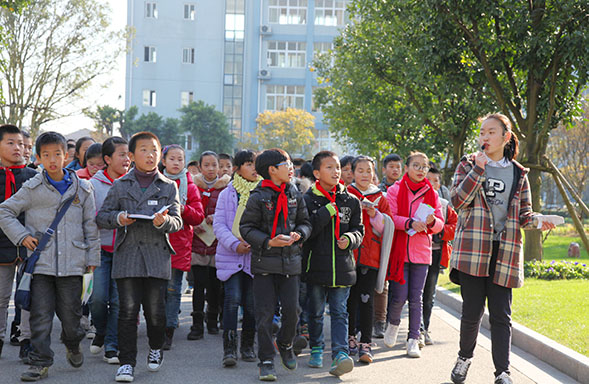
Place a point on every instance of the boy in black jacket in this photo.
(329, 267)
(275, 223)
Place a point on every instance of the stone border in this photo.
(549, 351)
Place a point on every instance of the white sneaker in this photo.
(413, 348)
(124, 374)
(155, 360)
(428, 338)
(390, 335)
(421, 340)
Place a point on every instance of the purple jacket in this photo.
(227, 260)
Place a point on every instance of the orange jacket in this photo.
(448, 235)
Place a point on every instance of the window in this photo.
(149, 54)
(330, 12)
(149, 98)
(322, 47)
(189, 11)
(188, 56)
(150, 10)
(234, 26)
(186, 97)
(283, 54)
(287, 11)
(280, 97)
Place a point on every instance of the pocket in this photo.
(80, 245)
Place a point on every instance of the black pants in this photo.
(429, 290)
(206, 286)
(267, 290)
(362, 300)
(151, 294)
(474, 291)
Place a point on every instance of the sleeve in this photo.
(173, 220)
(221, 227)
(320, 219)
(450, 225)
(91, 233)
(466, 185)
(303, 223)
(526, 214)
(193, 210)
(401, 222)
(252, 218)
(9, 211)
(356, 229)
(438, 223)
(107, 215)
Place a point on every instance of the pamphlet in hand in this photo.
(423, 211)
(554, 219)
(146, 217)
(369, 203)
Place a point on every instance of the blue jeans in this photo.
(104, 303)
(337, 298)
(239, 291)
(173, 298)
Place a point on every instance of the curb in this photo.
(564, 359)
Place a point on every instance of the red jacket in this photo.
(448, 235)
(193, 214)
(83, 174)
(368, 254)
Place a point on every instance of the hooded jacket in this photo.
(102, 185)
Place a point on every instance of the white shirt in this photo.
(503, 163)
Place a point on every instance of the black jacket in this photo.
(8, 251)
(256, 227)
(324, 263)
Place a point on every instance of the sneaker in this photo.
(427, 338)
(287, 356)
(155, 360)
(413, 348)
(352, 345)
(378, 329)
(390, 335)
(75, 357)
(503, 378)
(35, 373)
(316, 359)
(14, 334)
(25, 349)
(341, 364)
(91, 334)
(365, 353)
(267, 372)
(125, 374)
(97, 344)
(460, 370)
(111, 357)
(420, 340)
(299, 343)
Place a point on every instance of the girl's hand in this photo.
(243, 247)
(209, 219)
(124, 219)
(370, 210)
(160, 218)
(343, 242)
(547, 226)
(295, 236)
(281, 241)
(30, 243)
(419, 226)
(481, 160)
(430, 219)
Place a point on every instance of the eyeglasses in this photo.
(417, 167)
(288, 163)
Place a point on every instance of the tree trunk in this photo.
(533, 243)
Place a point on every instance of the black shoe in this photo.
(168, 337)
(25, 348)
(75, 357)
(155, 358)
(460, 370)
(267, 372)
(378, 330)
(97, 344)
(503, 378)
(197, 328)
(35, 373)
(299, 343)
(111, 357)
(14, 334)
(229, 348)
(212, 323)
(125, 374)
(247, 345)
(287, 356)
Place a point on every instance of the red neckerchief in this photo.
(281, 204)
(108, 176)
(331, 198)
(358, 193)
(10, 180)
(204, 196)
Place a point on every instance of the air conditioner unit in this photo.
(265, 30)
(264, 74)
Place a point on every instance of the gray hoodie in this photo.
(102, 185)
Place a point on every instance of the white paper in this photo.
(554, 219)
(87, 287)
(146, 217)
(423, 211)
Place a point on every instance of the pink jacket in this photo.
(420, 244)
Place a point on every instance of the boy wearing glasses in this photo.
(275, 223)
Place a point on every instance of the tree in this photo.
(105, 117)
(49, 55)
(14, 5)
(290, 130)
(208, 126)
(167, 130)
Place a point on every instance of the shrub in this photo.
(555, 270)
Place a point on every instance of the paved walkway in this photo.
(200, 361)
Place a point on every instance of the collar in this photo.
(503, 163)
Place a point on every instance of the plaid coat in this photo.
(474, 234)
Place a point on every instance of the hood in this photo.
(221, 183)
(100, 176)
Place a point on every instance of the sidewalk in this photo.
(200, 361)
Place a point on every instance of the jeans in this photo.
(429, 290)
(268, 289)
(173, 298)
(134, 292)
(337, 299)
(104, 302)
(361, 302)
(412, 290)
(239, 291)
(6, 281)
(54, 295)
(474, 291)
(304, 304)
(206, 286)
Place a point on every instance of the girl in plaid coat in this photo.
(492, 197)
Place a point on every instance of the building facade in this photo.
(242, 56)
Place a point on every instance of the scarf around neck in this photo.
(331, 197)
(183, 187)
(10, 180)
(244, 187)
(281, 204)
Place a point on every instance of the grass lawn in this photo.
(557, 309)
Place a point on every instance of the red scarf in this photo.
(10, 180)
(108, 176)
(281, 204)
(331, 198)
(399, 248)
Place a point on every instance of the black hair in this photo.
(243, 157)
(208, 153)
(79, 143)
(143, 135)
(307, 171)
(47, 138)
(265, 160)
(298, 161)
(171, 146)
(318, 158)
(225, 156)
(8, 128)
(434, 170)
(25, 134)
(193, 163)
(392, 157)
(348, 159)
(110, 146)
(361, 158)
(511, 149)
(70, 145)
(95, 150)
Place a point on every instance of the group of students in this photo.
(255, 236)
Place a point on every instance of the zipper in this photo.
(490, 254)
(333, 248)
